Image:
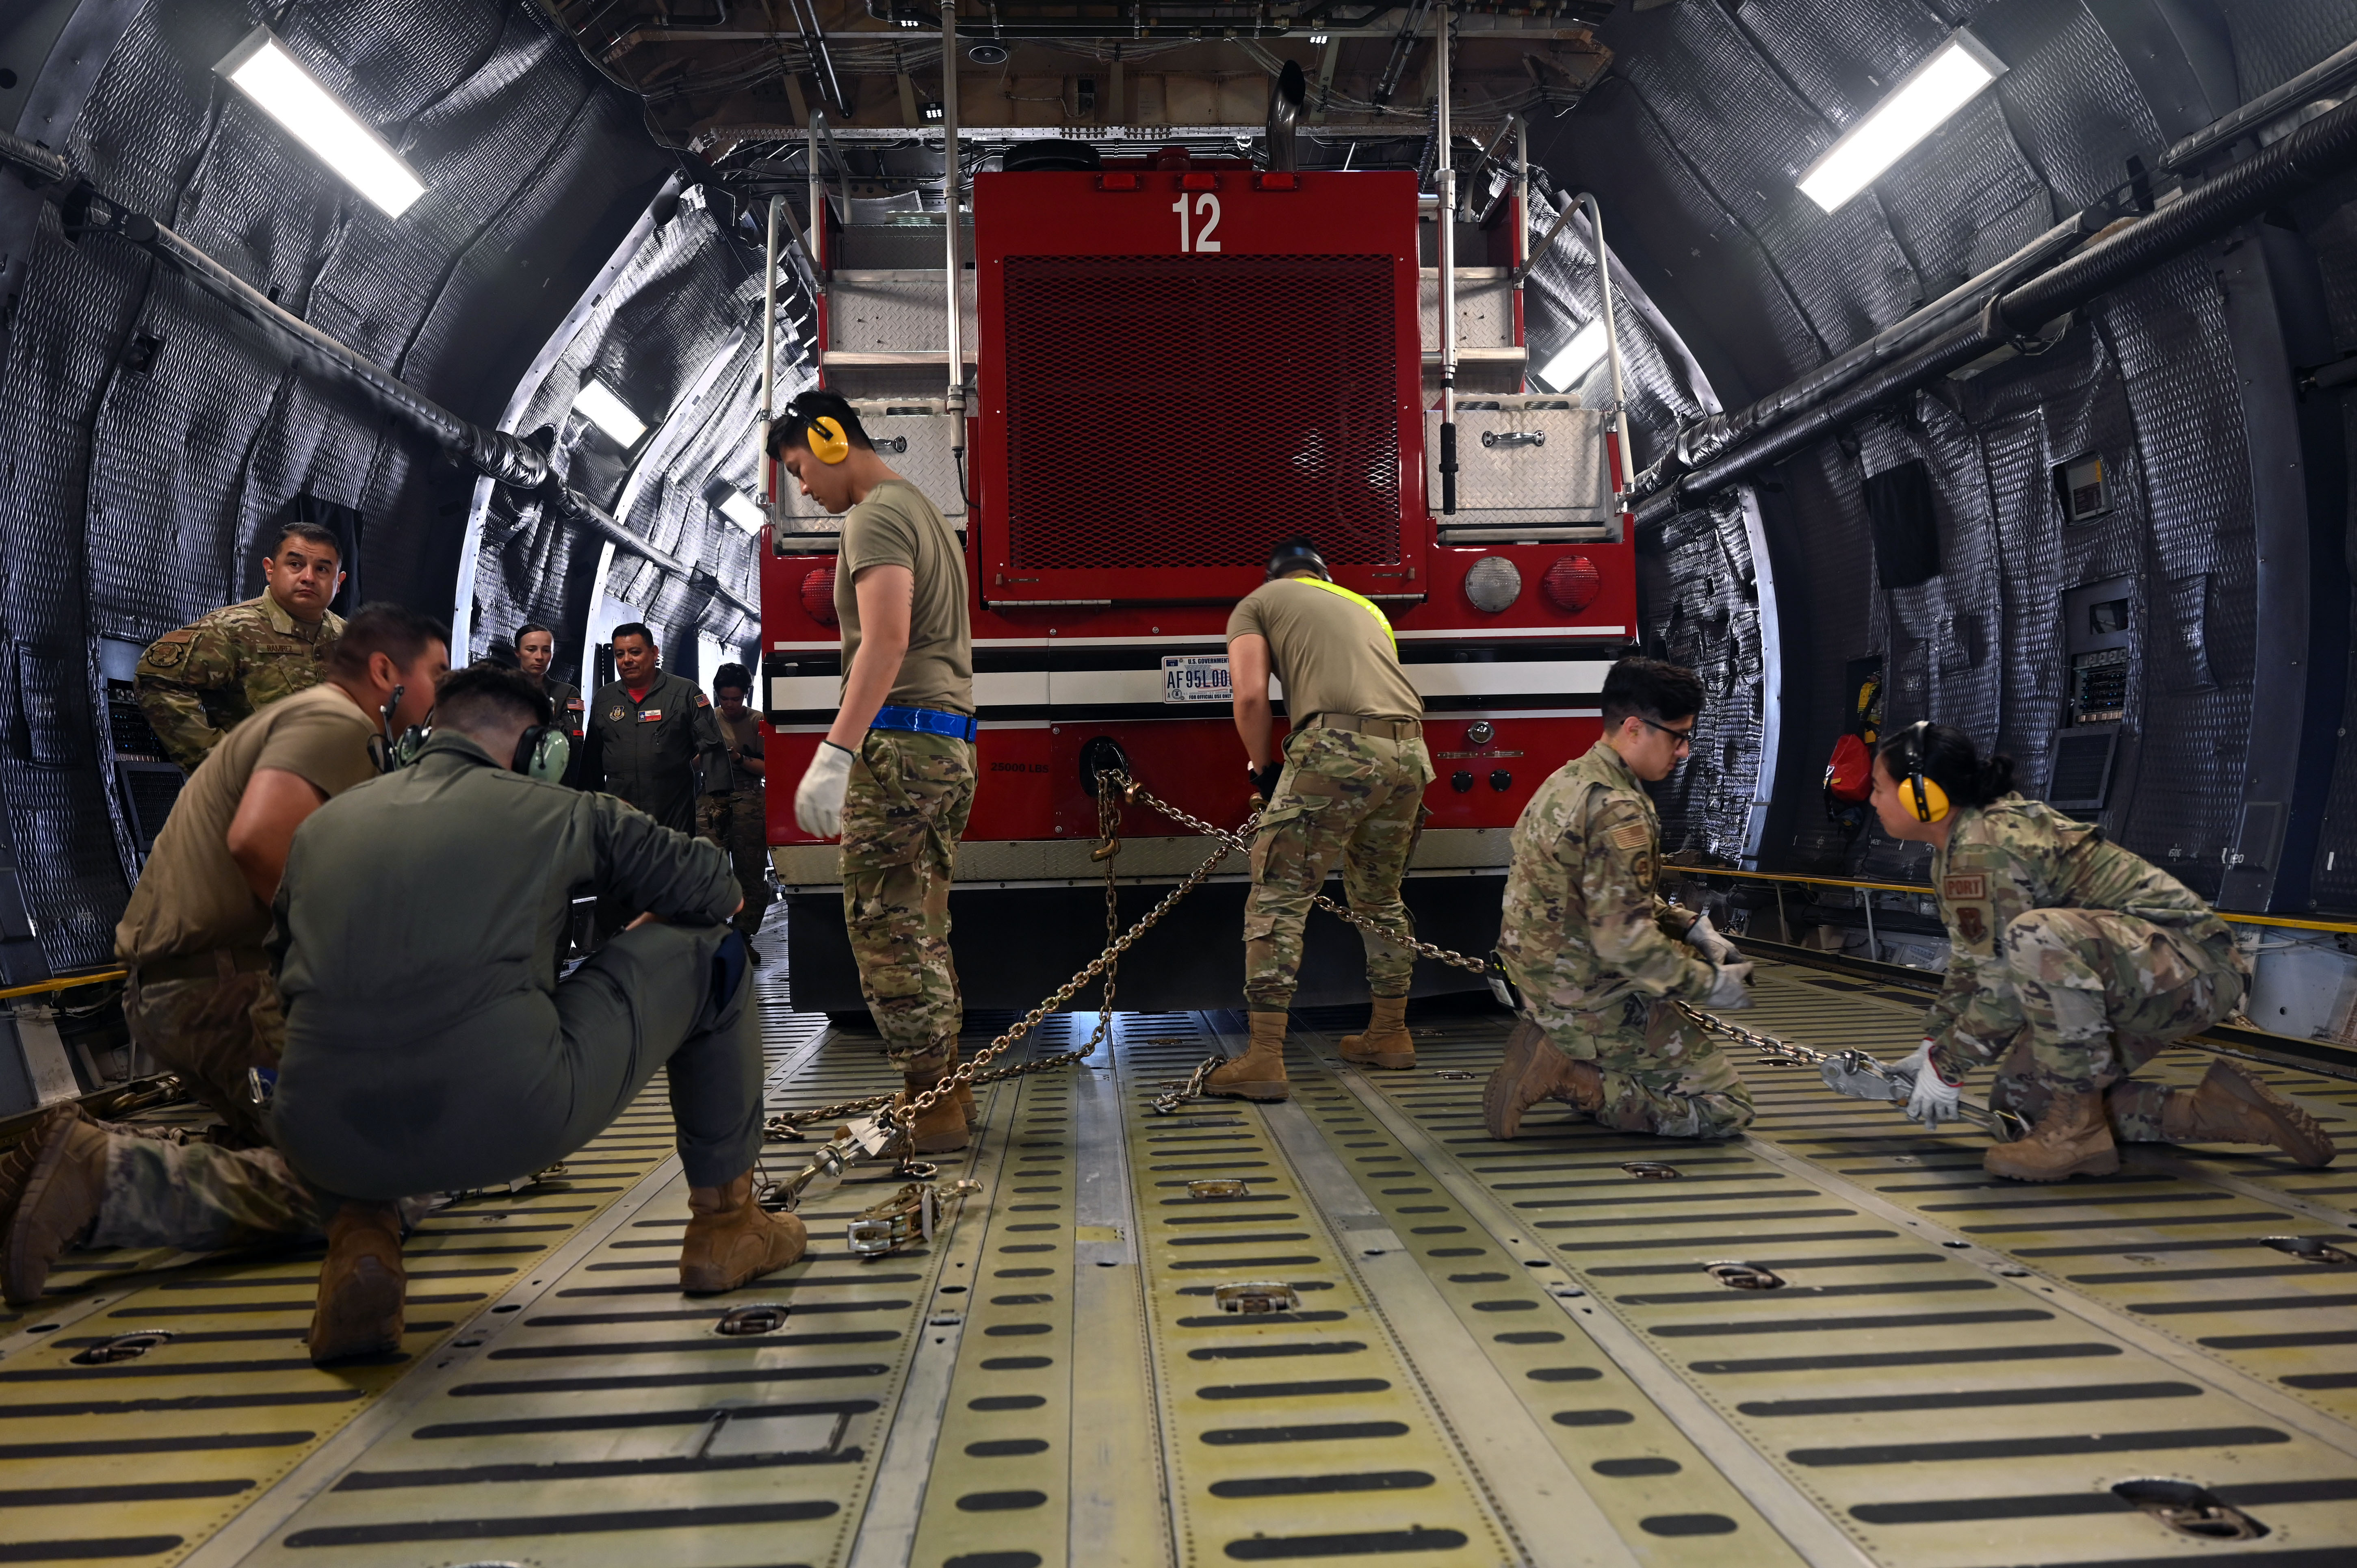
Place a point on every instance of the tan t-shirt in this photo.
(897, 526)
(193, 897)
(1331, 655)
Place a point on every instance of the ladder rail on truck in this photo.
(1179, 359)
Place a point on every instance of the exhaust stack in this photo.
(1285, 101)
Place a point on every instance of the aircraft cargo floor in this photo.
(1501, 1353)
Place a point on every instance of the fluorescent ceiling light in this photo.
(1575, 358)
(1317, 40)
(1945, 82)
(261, 68)
(743, 510)
(610, 413)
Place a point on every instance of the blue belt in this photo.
(925, 721)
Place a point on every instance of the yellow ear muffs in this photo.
(1930, 802)
(827, 442)
(1926, 799)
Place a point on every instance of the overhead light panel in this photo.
(597, 404)
(1318, 41)
(1946, 81)
(932, 111)
(739, 508)
(261, 68)
(1575, 358)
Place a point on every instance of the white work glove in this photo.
(1704, 938)
(1934, 1100)
(818, 800)
(1732, 991)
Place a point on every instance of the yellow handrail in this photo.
(68, 983)
(1924, 888)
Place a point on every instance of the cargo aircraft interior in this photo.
(1147, 783)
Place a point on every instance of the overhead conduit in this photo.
(2318, 150)
(497, 455)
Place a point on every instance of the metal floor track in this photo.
(1497, 1352)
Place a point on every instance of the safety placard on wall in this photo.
(1194, 678)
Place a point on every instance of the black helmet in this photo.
(1289, 554)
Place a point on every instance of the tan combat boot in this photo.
(1386, 1042)
(362, 1287)
(1532, 1070)
(50, 1185)
(733, 1240)
(1259, 1073)
(2073, 1138)
(2233, 1107)
(943, 1127)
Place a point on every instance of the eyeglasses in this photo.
(1682, 739)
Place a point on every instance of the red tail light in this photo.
(818, 595)
(1571, 583)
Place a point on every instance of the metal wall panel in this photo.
(1714, 116)
(138, 498)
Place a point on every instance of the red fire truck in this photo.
(1181, 358)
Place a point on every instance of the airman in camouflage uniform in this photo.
(1588, 939)
(196, 683)
(2073, 962)
(1347, 786)
(1598, 958)
(894, 777)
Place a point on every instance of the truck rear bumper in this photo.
(1015, 944)
(1064, 863)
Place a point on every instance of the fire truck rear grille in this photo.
(1190, 411)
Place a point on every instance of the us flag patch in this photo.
(1631, 835)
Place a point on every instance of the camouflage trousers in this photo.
(2089, 980)
(1352, 798)
(212, 1030)
(1662, 1074)
(902, 815)
(2102, 994)
(739, 823)
(203, 1197)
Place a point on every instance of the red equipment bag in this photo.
(1849, 772)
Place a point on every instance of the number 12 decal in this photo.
(1205, 203)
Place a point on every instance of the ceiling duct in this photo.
(2318, 150)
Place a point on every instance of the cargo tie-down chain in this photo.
(1852, 1073)
(783, 1127)
(890, 1128)
(1857, 1075)
(1240, 841)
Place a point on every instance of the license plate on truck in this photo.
(1194, 678)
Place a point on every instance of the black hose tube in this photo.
(1448, 469)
